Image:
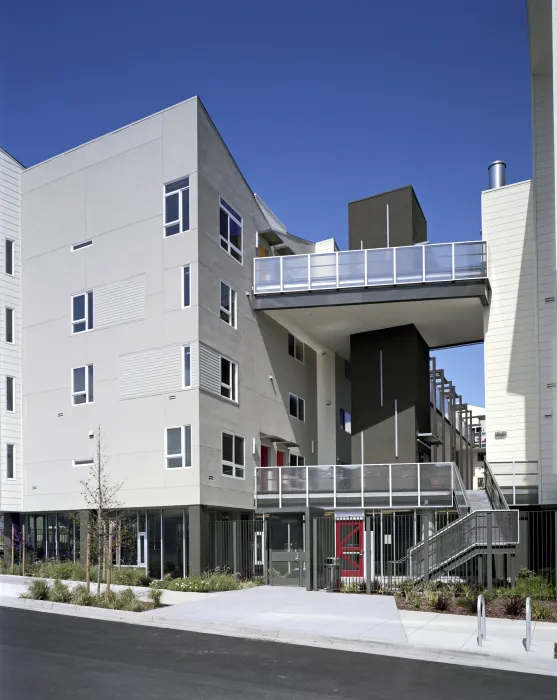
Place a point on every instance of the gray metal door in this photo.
(286, 568)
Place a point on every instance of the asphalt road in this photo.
(53, 656)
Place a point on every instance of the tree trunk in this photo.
(88, 561)
(13, 545)
(119, 545)
(109, 558)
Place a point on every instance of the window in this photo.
(228, 379)
(10, 470)
(82, 312)
(233, 455)
(297, 407)
(9, 257)
(228, 304)
(178, 447)
(83, 463)
(177, 207)
(296, 460)
(10, 394)
(79, 246)
(82, 385)
(186, 286)
(295, 347)
(187, 366)
(346, 420)
(230, 231)
(9, 325)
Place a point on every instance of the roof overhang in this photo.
(446, 314)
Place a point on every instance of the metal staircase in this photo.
(489, 527)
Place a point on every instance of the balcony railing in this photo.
(375, 267)
(424, 485)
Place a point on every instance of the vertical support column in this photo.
(327, 417)
(235, 546)
(489, 553)
(314, 554)
(266, 552)
(198, 549)
(425, 528)
(308, 549)
(369, 553)
(555, 536)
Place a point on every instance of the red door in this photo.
(280, 458)
(350, 547)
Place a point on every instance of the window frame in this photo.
(89, 383)
(233, 313)
(81, 245)
(184, 268)
(233, 386)
(230, 212)
(12, 409)
(299, 459)
(343, 420)
(298, 399)
(89, 318)
(13, 476)
(183, 452)
(11, 257)
(186, 349)
(6, 314)
(296, 343)
(179, 193)
(84, 463)
(233, 464)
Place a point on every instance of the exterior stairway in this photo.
(485, 525)
(479, 500)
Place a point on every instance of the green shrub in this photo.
(81, 596)
(541, 612)
(468, 602)
(155, 594)
(408, 589)
(442, 601)
(161, 585)
(222, 581)
(38, 590)
(514, 605)
(59, 592)
(193, 584)
(129, 577)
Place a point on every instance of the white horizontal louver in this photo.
(156, 371)
(209, 369)
(119, 302)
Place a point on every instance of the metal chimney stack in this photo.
(497, 174)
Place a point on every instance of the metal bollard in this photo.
(481, 620)
(528, 624)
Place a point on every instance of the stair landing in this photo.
(479, 500)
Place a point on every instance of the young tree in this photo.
(101, 497)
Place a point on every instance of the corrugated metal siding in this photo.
(209, 369)
(119, 302)
(155, 371)
(11, 492)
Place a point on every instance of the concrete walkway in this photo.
(283, 610)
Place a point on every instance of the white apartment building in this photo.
(518, 223)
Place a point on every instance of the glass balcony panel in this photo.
(267, 480)
(295, 273)
(436, 484)
(470, 260)
(380, 266)
(351, 268)
(376, 485)
(293, 480)
(349, 485)
(323, 271)
(321, 479)
(438, 263)
(409, 264)
(405, 484)
(267, 275)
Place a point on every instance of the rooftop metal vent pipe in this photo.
(497, 174)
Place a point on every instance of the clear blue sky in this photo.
(320, 102)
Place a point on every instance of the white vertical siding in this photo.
(156, 371)
(544, 212)
(209, 369)
(11, 491)
(511, 341)
(119, 302)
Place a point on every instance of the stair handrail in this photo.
(462, 509)
(493, 490)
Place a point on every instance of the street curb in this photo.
(504, 662)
